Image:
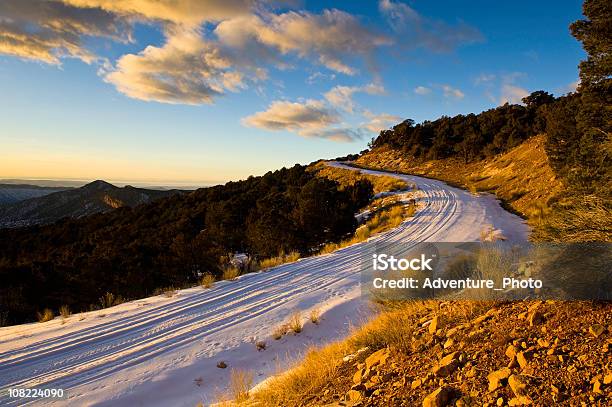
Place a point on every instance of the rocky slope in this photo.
(505, 354)
(95, 197)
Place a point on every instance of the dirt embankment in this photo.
(522, 178)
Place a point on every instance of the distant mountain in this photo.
(11, 193)
(95, 197)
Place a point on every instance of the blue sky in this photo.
(219, 90)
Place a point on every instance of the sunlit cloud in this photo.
(186, 69)
(301, 117)
(48, 31)
(342, 96)
(512, 94)
(183, 12)
(378, 122)
(450, 92)
(422, 90)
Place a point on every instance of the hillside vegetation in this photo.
(134, 252)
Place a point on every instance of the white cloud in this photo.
(450, 92)
(422, 90)
(417, 31)
(378, 122)
(334, 38)
(304, 118)
(186, 69)
(342, 96)
(512, 94)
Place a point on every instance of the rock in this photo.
(521, 358)
(358, 376)
(471, 373)
(221, 365)
(451, 332)
(353, 396)
(520, 401)
(349, 358)
(446, 365)
(511, 351)
(439, 398)
(434, 325)
(497, 378)
(597, 387)
(596, 330)
(608, 379)
(377, 358)
(543, 343)
(480, 319)
(518, 385)
(376, 379)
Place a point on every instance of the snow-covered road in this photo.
(162, 351)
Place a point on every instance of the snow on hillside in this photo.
(163, 351)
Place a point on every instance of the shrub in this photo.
(240, 384)
(46, 315)
(107, 300)
(295, 323)
(280, 331)
(230, 272)
(260, 345)
(280, 259)
(207, 280)
(315, 316)
(64, 311)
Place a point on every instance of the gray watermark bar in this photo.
(500, 270)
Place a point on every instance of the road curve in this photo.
(164, 351)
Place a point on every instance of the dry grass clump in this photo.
(207, 280)
(295, 323)
(65, 311)
(278, 260)
(315, 316)
(280, 331)
(240, 383)
(230, 272)
(305, 379)
(46, 315)
(109, 299)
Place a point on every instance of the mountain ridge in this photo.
(94, 197)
